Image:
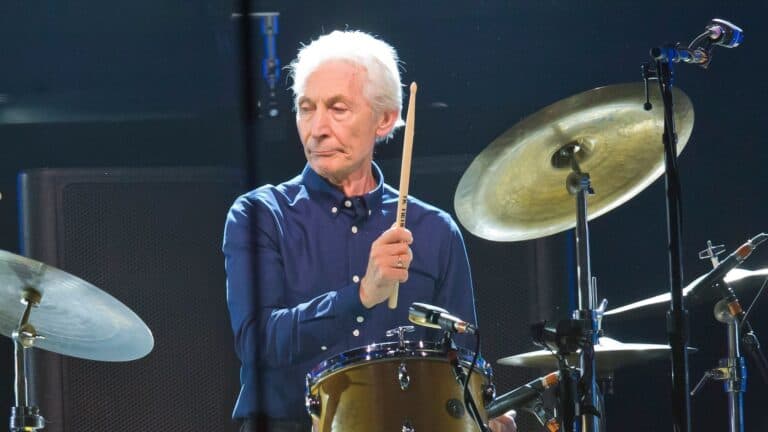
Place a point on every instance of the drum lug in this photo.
(400, 333)
(403, 378)
(313, 405)
(407, 427)
(489, 393)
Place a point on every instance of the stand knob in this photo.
(26, 419)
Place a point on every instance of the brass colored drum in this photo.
(395, 387)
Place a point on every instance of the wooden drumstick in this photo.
(405, 173)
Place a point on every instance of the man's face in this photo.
(336, 123)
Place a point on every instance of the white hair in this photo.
(382, 89)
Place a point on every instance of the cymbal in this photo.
(73, 317)
(610, 355)
(735, 275)
(515, 189)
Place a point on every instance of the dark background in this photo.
(142, 84)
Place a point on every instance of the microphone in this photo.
(724, 33)
(521, 396)
(435, 317)
(732, 261)
(677, 54)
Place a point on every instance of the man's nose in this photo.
(320, 123)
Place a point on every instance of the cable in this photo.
(751, 305)
(468, 400)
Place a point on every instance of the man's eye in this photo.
(339, 109)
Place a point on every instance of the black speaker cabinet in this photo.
(150, 237)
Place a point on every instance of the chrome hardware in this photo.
(400, 333)
(489, 393)
(312, 403)
(402, 377)
(455, 408)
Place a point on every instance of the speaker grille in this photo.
(152, 240)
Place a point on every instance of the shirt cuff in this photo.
(348, 302)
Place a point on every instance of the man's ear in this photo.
(386, 123)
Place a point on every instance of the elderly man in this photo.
(311, 262)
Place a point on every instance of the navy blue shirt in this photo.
(295, 254)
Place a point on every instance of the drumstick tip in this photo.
(414, 87)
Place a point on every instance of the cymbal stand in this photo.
(732, 370)
(23, 416)
(578, 184)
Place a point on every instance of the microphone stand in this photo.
(677, 318)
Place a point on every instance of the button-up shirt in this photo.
(295, 255)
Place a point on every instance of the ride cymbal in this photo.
(516, 188)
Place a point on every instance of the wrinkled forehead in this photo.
(334, 78)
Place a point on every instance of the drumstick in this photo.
(405, 173)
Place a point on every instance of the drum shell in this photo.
(367, 394)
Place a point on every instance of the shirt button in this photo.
(356, 332)
(354, 229)
(334, 210)
(355, 278)
(323, 347)
(347, 203)
(369, 212)
(360, 319)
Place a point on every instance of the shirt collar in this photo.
(322, 189)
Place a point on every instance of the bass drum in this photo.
(396, 387)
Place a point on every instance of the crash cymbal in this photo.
(73, 317)
(610, 355)
(515, 189)
(733, 276)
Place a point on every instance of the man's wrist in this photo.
(367, 302)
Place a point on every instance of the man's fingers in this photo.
(395, 235)
(395, 249)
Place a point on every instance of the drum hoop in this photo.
(393, 350)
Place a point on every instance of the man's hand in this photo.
(388, 264)
(503, 423)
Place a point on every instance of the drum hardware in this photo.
(23, 416)
(524, 185)
(62, 325)
(574, 337)
(402, 377)
(610, 355)
(529, 398)
(455, 408)
(400, 333)
(732, 369)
